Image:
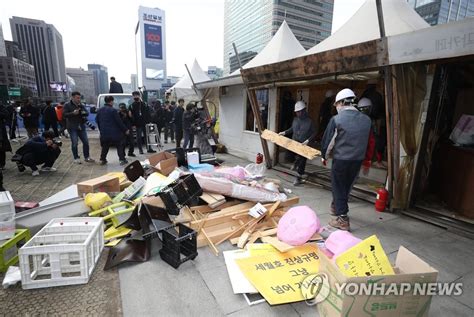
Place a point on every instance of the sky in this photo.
(102, 31)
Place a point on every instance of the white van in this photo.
(118, 99)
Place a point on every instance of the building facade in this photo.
(251, 24)
(17, 73)
(3, 50)
(134, 82)
(84, 83)
(150, 46)
(443, 11)
(44, 45)
(101, 78)
(13, 50)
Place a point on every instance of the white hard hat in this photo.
(299, 105)
(329, 93)
(345, 94)
(364, 103)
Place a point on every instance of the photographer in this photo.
(76, 117)
(38, 150)
(189, 117)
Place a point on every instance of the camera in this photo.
(57, 142)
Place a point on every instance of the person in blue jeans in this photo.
(345, 139)
(76, 116)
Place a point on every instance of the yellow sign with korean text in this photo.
(279, 276)
(366, 258)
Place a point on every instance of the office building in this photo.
(3, 51)
(150, 46)
(44, 45)
(214, 72)
(101, 78)
(84, 83)
(251, 25)
(17, 73)
(443, 11)
(13, 50)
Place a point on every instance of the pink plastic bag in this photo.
(298, 225)
(340, 241)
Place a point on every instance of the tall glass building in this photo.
(250, 24)
(443, 11)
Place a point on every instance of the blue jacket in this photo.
(346, 135)
(111, 126)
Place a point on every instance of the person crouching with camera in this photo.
(38, 150)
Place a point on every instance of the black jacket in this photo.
(178, 117)
(42, 152)
(188, 119)
(30, 115)
(140, 113)
(158, 117)
(111, 126)
(49, 115)
(115, 88)
(74, 121)
(5, 145)
(126, 119)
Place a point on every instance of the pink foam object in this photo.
(340, 241)
(298, 225)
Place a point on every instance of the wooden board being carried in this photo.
(289, 144)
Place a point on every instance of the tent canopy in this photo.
(184, 87)
(363, 26)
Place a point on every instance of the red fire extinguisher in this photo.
(259, 159)
(382, 198)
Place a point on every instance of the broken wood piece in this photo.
(211, 244)
(233, 232)
(252, 225)
(213, 200)
(206, 209)
(290, 144)
(277, 244)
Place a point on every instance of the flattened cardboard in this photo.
(163, 162)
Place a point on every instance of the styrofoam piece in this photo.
(65, 194)
(36, 218)
(12, 276)
(64, 252)
(193, 158)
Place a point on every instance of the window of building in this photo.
(262, 100)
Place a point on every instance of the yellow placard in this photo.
(279, 276)
(365, 259)
(260, 249)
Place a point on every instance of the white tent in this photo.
(399, 17)
(282, 46)
(184, 87)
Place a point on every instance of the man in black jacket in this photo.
(127, 121)
(140, 115)
(115, 86)
(50, 119)
(76, 117)
(169, 127)
(30, 115)
(5, 145)
(38, 150)
(178, 122)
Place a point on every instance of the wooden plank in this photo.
(204, 233)
(213, 200)
(277, 244)
(290, 144)
(204, 209)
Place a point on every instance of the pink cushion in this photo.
(298, 225)
(340, 241)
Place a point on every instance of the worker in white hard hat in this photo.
(345, 139)
(325, 113)
(303, 131)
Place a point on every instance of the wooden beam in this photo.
(256, 114)
(290, 144)
(277, 244)
(204, 209)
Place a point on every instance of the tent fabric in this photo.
(282, 46)
(363, 26)
(184, 87)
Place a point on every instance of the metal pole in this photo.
(391, 122)
(256, 114)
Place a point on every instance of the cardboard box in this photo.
(409, 269)
(106, 184)
(163, 162)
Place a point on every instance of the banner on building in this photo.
(153, 41)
